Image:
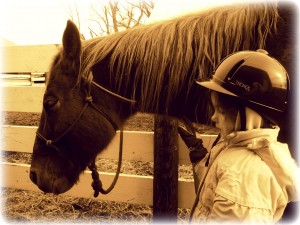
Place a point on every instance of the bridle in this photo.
(88, 81)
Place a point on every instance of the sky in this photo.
(28, 22)
(32, 22)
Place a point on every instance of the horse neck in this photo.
(190, 101)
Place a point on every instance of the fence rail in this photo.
(138, 146)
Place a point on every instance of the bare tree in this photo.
(114, 16)
(75, 18)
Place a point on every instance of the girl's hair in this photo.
(231, 105)
(227, 102)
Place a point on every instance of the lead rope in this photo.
(97, 184)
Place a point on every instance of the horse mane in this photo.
(179, 50)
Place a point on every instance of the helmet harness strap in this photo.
(242, 112)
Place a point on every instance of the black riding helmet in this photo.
(258, 80)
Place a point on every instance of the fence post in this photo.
(165, 186)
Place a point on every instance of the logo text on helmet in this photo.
(242, 85)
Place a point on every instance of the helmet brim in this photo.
(215, 87)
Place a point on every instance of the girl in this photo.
(247, 176)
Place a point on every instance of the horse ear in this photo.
(71, 41)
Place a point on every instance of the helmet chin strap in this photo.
(247, 119)
(242, 112)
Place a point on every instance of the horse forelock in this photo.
(178, 51)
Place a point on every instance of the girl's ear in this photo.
(71, 42)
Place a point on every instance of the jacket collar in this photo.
(252, 139)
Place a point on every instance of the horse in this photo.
(94, 86)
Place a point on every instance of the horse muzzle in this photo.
(47, 184)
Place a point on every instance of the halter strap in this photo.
(113, 94)
(89, 79)
(104, 114)
(51, 143)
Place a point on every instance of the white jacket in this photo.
(248, 177)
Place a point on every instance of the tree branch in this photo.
(115, 15)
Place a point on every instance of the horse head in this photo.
(74, 112)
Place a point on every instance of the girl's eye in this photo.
(219, 110)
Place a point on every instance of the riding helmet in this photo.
(257, 79)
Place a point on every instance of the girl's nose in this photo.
(214, 117)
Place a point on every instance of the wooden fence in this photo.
(138, 146)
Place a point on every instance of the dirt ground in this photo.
(20, 206)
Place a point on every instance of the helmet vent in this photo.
(234, 69)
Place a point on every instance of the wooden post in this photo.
(165, 186)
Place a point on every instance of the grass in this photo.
(28, 206)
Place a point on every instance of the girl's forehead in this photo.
(217, 101)
(214, 98)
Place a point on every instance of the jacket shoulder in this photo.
(244, 178)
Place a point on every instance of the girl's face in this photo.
(224, 119)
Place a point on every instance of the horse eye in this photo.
(50, 103)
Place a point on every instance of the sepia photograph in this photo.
(149, 111)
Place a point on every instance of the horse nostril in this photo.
(33, 177)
